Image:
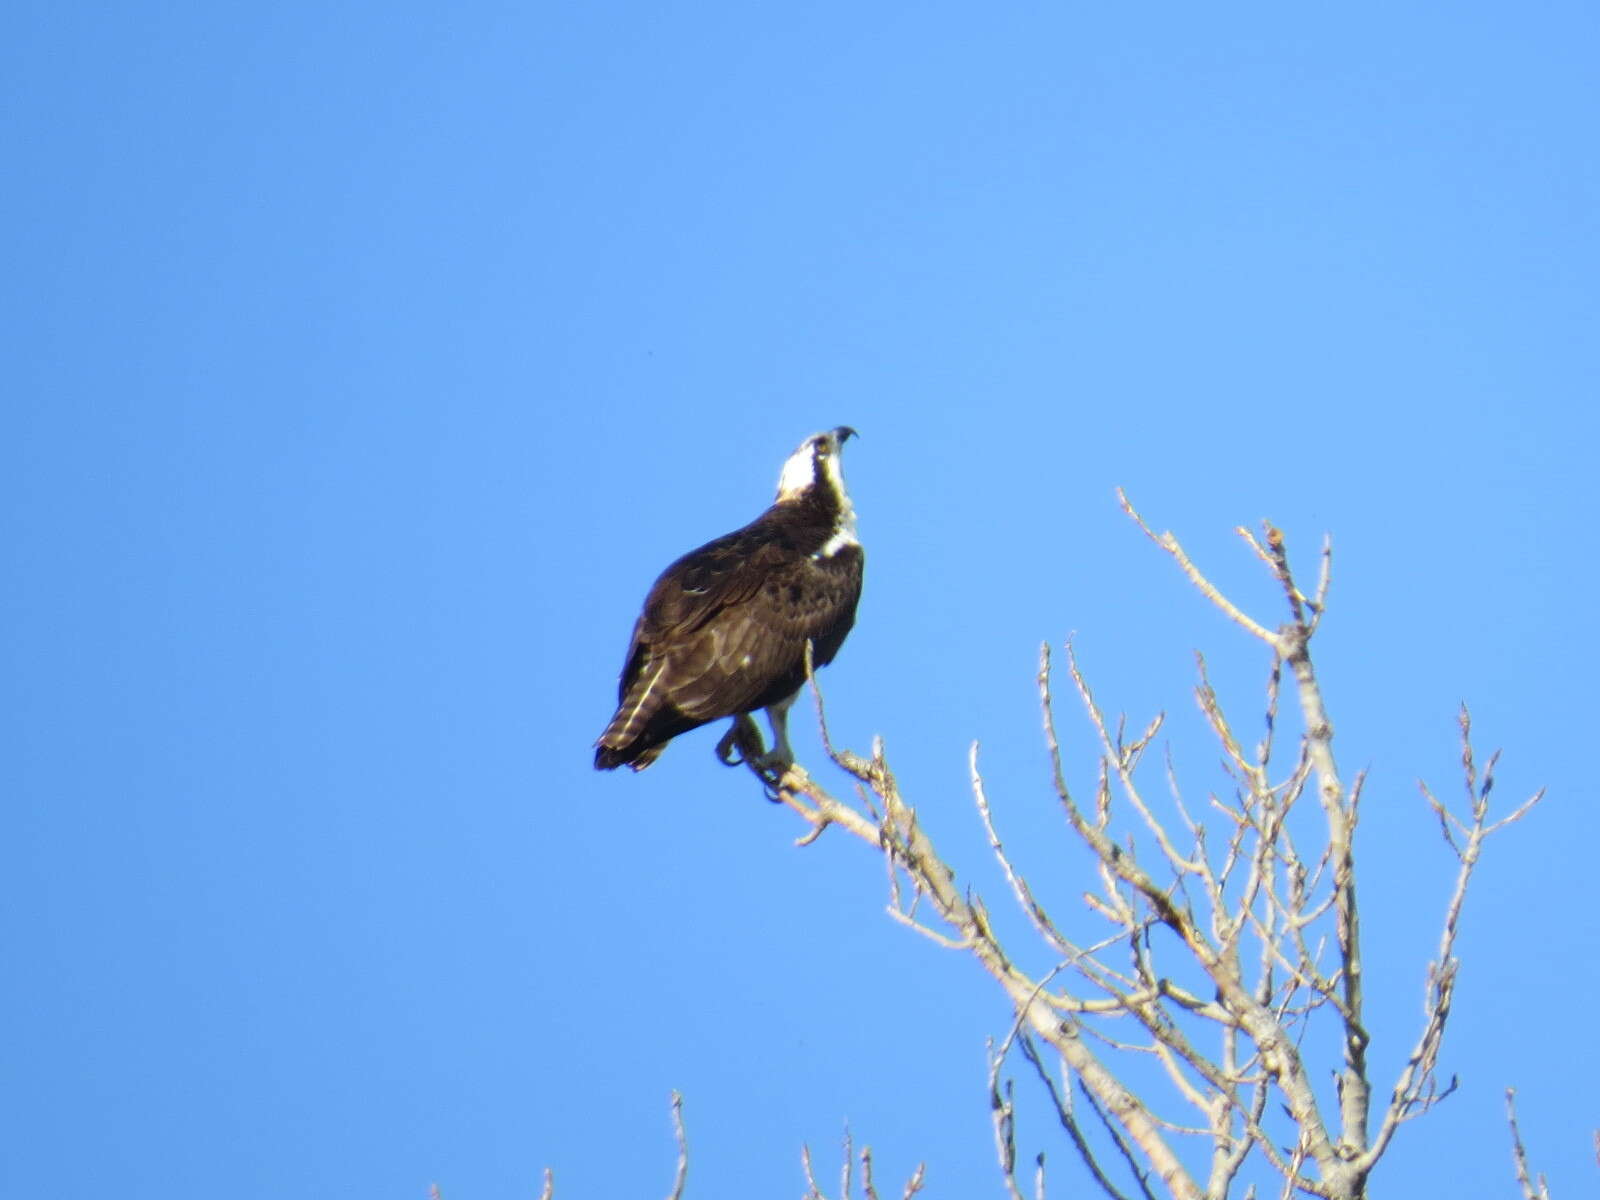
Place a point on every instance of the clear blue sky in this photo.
(364, 363)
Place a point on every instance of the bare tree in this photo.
(1228, 948)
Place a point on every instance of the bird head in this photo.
(814, 463)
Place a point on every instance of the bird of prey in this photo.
(724, 629)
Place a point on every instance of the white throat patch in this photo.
(844, 536)
(798, 472)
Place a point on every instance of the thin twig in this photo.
(1170, 544)
(1519, 1155)
(683, 1148)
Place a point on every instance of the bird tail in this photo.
(608, 758)
(622, 744)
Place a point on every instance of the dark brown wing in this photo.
(694, 589)
(712, 579)
(751, 651)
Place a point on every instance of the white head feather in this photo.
(799, 471)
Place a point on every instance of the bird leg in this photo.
(782, 756)
(773, 767)
(742, 743)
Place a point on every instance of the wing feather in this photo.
(751, 651)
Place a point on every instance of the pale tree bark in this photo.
(1531, 1190)
(1230, 944)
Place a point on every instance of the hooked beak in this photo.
(843, 434)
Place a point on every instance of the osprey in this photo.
(724, 630)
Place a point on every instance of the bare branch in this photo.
(902, 838)
(868, 1190)
(1062, 1101)
(813, 1192)
(683, 1148)
(1519, 1155)
(1170, 544)
(1019, 886)
(1416, 1091)
(1141, 1177)
(1003, 1109)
